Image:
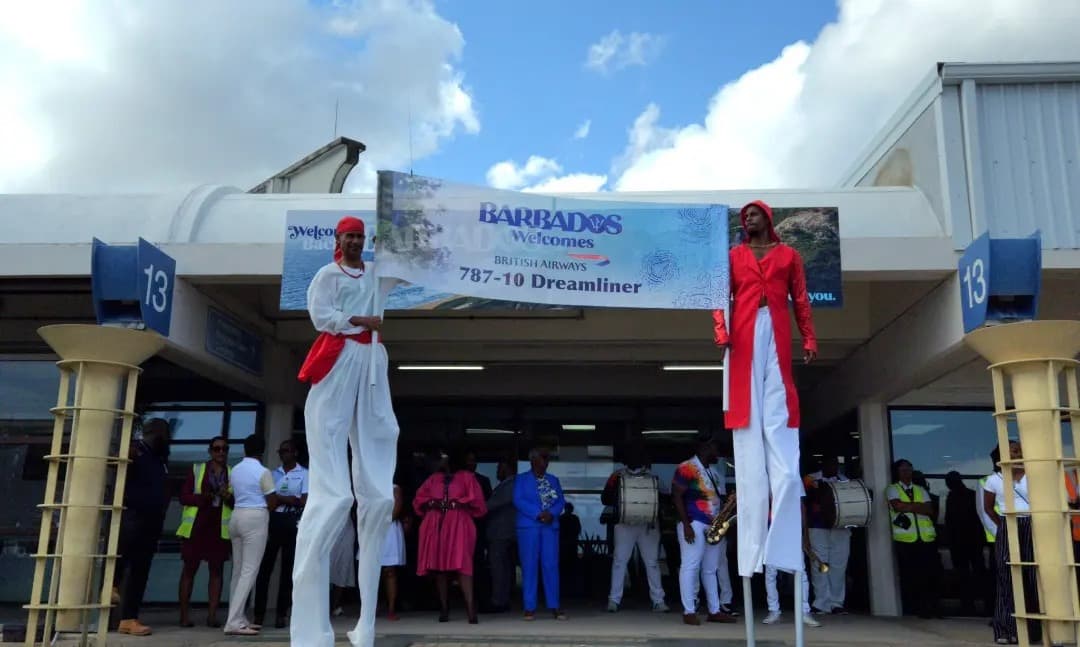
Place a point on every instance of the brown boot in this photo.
(134, 628)
(691, 619)
(721, 617)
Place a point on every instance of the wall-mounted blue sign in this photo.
(1000, 280)
(132, 285)
(228, 340)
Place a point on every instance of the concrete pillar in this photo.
(101, 359)
(875, 448)
(279, 427)
(1030, 357)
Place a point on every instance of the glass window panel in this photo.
(28, 389)
(938, 441)
(183, 456)
(241, 424)
(191, 425)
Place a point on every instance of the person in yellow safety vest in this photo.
(204, 528)
(914, 535)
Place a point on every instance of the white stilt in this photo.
(748, 611)
(799, 608)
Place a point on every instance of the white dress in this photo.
(342, 557)
(393, 550)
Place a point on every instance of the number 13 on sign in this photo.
(157, 286)
(975, 283)
(974, 270)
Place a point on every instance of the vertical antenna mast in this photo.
(410, 143)
(336, 101)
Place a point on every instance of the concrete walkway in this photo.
(630, 628)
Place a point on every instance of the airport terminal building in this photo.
(977, 148)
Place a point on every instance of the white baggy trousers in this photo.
(767, 465)
(647, 540)
(345, 410)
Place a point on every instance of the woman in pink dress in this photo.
(448, 501)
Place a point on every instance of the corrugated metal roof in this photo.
(1029, 160)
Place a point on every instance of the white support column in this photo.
(875, 450)
(279, 427)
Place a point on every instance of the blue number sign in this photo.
(156, 276)
(975, 282)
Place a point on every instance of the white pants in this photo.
(647, 541)
(772, 596)
(248, 528)
(832, 546)
(698, 567)
(344, 410)
(767, 465)
(723, 575)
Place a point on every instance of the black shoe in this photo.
(726, 608)
(279, 622)
(444, 616)
(839, 611)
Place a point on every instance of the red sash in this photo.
(324, 353)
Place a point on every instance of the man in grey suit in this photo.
(502, 536)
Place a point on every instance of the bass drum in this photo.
(845, 504)
(639, 499)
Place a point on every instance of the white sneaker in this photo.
(773, 616)
(658, 607)
(810, 621)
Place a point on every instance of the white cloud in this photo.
(542, 175)
(508, 175)
(583, 130)
(572, 183)
(134, 96)
(802, 119)
(616, 51)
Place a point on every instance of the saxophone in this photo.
(721, 523)
(815, 561)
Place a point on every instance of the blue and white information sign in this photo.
(157, 275)
(132, 285)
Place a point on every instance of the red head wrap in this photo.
(347, 225)
(773, 236)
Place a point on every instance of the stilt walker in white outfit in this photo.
(348, 406)
(763, 407)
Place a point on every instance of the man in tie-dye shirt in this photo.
(696, 494)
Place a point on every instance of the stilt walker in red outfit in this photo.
(763, 407)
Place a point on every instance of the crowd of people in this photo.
(455, 519)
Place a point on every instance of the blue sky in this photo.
(712, 94)
(525, 66)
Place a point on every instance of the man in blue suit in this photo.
(539, 501)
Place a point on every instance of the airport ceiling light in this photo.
(440, 367)
(579, 427)
(669, 432)
(693, 367)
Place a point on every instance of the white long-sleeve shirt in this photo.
(334, 296)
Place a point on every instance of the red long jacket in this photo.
(778, 274)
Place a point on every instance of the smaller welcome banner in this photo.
(521, 247)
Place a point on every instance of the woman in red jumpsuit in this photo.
(763, 409)
(448, 501)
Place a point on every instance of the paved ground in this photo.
(628, 628)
